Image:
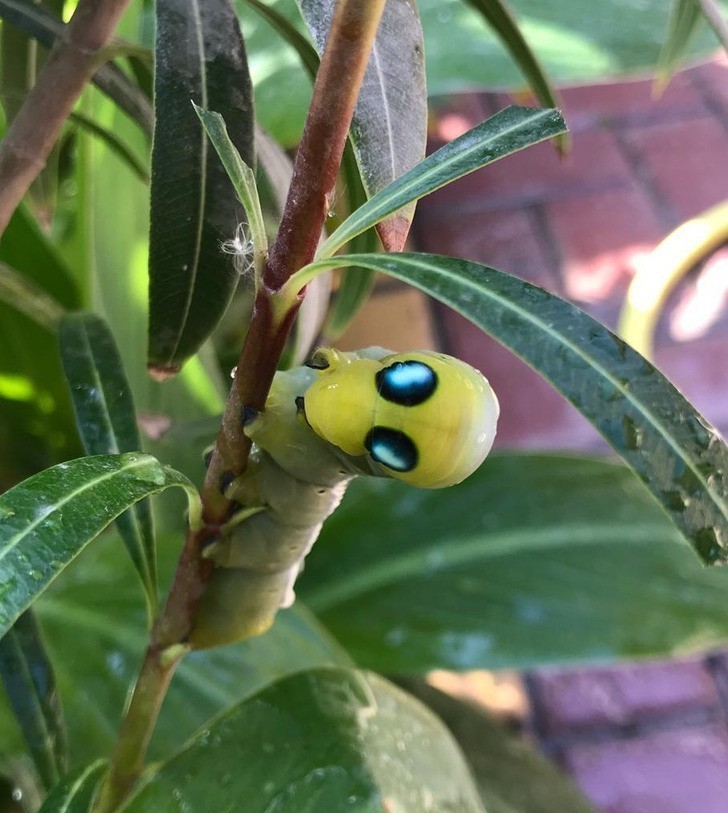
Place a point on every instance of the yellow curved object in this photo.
(668, 263)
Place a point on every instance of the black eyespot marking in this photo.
(407, 383)
(391, 448)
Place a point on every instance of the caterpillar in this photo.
(422, 417)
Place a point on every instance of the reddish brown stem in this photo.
(337, 86)
(319, 155)
(70, 65)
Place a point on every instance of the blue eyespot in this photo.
(391, 448)
(407, 383)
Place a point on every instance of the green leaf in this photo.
(685, 19)
(676, 453)
(36, 418)
(19, 293)
(114, 254)
(610, 40)
(389, 127)
(507, 132)
(114, 143)
(242, 178)
(46, 28)
(30, 251)
(324, 740)
(355, 286)
(200, 56)
(534, 559)
(107, 424)
(500, 18)
(97, 639)
(76, 792)
(511, 776)
(306, 52)
(48, 519)
(27, 674)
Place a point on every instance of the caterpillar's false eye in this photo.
(422, 417)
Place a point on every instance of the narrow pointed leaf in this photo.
(27, 674)
(677, 454)
(241, 176)
(114, 143)
(45, 27)
(18, 292)
(500, 18)
(389, 128)
(107, 424)
(507, 132)
(76, 792)
(200, 58)
(535, 559)
(306, 52)
(354, 288)
(47, 520)
(325, 740)
(685, 19)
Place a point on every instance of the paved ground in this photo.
(646, 738)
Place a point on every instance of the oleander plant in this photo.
(162, 647)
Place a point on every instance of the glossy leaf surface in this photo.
(76, 792)
(200, 58)
(507, 132)
(49, 518)
(679, 456)
(27, 674)
(107, 424)
(324, 740)
(97, 638)
(535, 559)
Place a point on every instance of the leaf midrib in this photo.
(441, 270)
(378, 207)
(452, 554)
(13, 542)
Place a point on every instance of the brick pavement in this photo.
(642, 738)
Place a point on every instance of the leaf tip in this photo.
(160, 372)
(393, 232)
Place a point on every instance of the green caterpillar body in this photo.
(424, 418)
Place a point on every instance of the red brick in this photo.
(507, 240)
(581, 698)
(453, 115)
(538, 173)
(601, 239)
(631, 101)
(688, 163)
(683, 771)
(533, 415)
(713, 77)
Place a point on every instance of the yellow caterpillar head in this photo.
(425, 418)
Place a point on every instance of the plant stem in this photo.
(319, 155)
(350, 40)
(70, 65)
